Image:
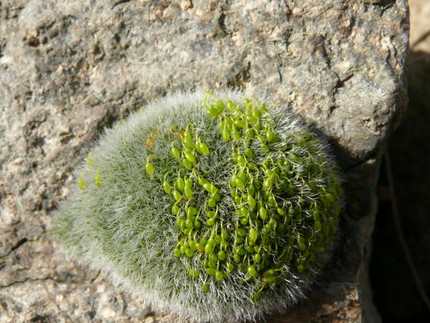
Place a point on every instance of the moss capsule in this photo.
(175, 152)
(166, 187)
(81, 183)
(97, 179)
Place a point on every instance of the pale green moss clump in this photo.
(214, 207)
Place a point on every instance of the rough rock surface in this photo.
(409, 155)
(70, 68)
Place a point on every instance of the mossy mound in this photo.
(214, 207)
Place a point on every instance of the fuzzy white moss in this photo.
(124, 226)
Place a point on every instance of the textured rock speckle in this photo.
(70, 68)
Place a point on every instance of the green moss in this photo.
(215, 207)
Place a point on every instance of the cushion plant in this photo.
(216, 207)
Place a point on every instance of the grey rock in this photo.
(70, 68)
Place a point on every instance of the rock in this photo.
(70, 68)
